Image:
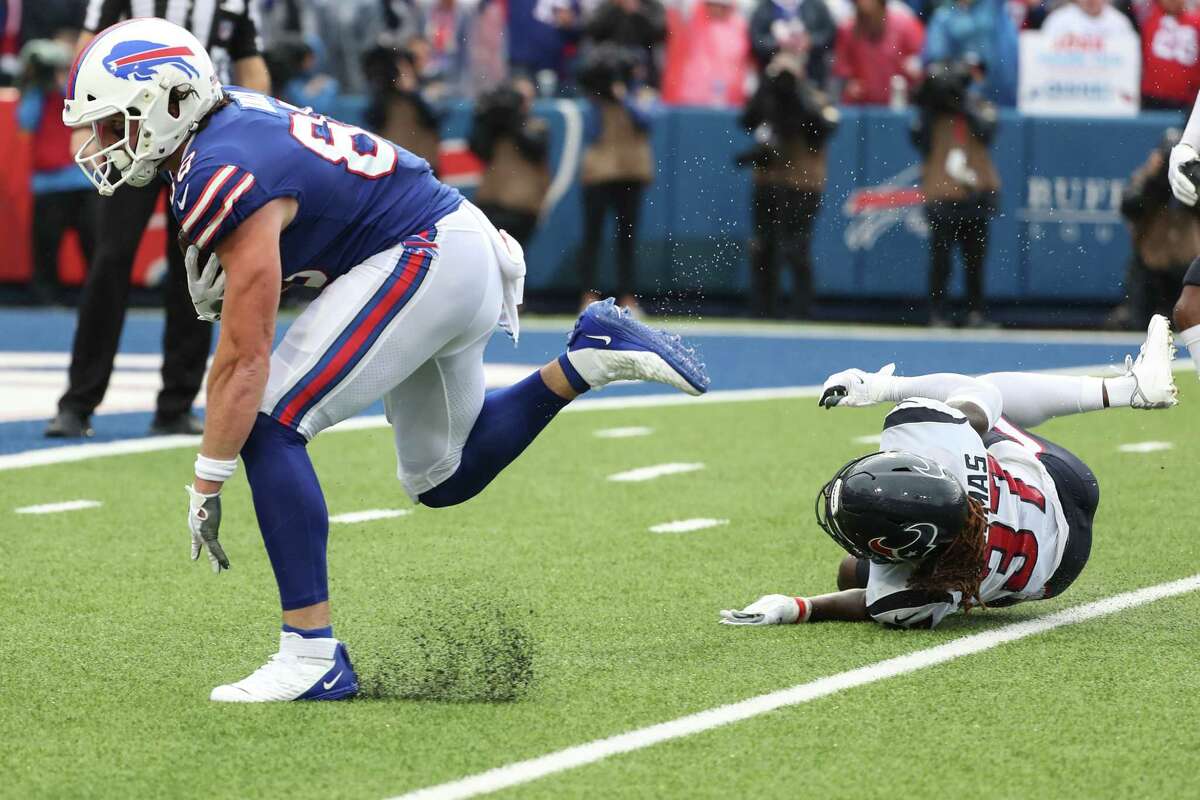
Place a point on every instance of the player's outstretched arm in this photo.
(849, 605)
(981, 402)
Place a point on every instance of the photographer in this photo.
(399, 108)
(790, 120)
(1166, 237)
(62, 196)
(618, 163)
(953, 130)
(514, 147)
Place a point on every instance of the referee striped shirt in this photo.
(229, 29)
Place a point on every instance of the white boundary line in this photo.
(84, 452)
(525, 771)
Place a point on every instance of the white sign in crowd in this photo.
(1080, 75)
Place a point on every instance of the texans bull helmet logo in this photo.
(140, 60)
(921, 540)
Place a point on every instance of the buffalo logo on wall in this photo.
(1067, 207)
(872, 211)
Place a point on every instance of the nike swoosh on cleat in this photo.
(606, 339)
(329, 684)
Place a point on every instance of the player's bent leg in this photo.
(606, 345)
(1148, 383)
(508, 422)
(1079, 495)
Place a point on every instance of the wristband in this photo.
(805, 606)
(214, 469)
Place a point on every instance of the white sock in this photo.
(1030, 400)
(1191, 340)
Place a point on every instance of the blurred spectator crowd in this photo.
(786, 64)
(691, 52)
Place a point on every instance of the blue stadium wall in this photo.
(1058, 235)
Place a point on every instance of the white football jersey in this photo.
(1026, 526)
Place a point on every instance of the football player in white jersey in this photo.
(963, 507)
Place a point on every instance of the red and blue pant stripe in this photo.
(357, 339)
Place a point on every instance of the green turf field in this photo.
(112, 639)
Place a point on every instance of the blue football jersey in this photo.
(358, 194)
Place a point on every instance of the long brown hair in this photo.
(961, 566)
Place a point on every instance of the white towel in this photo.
(511, 257)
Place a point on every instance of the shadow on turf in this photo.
(458, 647)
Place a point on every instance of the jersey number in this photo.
(362, 153)
(1010, 544)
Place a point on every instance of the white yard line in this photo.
(1145, 447)
(654, 471)
(580, 755)
(688, 525)
(370, 515)
(870, 438)
(55, 508)
(622, 433)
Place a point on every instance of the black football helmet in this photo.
(892, 507)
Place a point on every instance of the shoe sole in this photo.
(677, 359)
(340, 693)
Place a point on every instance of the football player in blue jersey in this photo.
(413, 279)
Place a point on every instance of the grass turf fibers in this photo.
(548, 592)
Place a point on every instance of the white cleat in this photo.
(303, 669)
(1154, 383)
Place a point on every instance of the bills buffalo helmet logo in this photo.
(920, 540)
(140, 60)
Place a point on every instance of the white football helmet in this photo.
(132, 68)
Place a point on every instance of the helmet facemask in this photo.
(164, 114)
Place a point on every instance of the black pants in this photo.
(54, 213)
(783, 224)
(121, 219)
(518, 224)
(1153, 291)
(965, 225)
(625, 200)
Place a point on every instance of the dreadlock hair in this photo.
(961, 566)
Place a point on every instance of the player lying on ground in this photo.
(414, 281)
(963, 507)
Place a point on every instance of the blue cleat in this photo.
(608, 345)
(303, 669)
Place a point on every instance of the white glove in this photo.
(1181, 185)
(771, 609)
(207, 286)
(204, 521)
(854, 387)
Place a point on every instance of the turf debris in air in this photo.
(458, 646)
